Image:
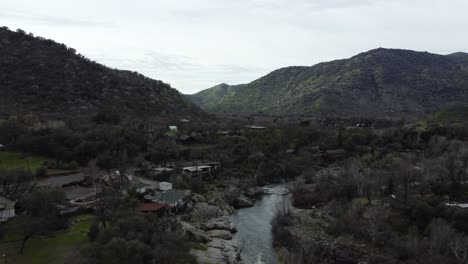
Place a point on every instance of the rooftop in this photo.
(196, 168)
(170, 196)
(151, 207)
(6, 204)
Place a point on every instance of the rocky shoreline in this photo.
(207, 223)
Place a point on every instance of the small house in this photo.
(173, 128)
(186, 139)
(142, 185)
(200, 170)
(7, 209)
(162, 170)
(173, 198)
(156, 208)
(165, 186)
(256, 127)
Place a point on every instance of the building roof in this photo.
(196, 168)
(6, 204)
(151, 207)
(256, 127)
(146, 181)
(170, 196)
(162, 169)
(172, 127)
(185, 137)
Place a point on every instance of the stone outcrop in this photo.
(195, 234)
(223, 234)
(221, 223)
(219, 251)
(242, 202)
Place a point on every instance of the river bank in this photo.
(224, 234)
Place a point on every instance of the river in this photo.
(254, 225)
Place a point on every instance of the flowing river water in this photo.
(254, 225)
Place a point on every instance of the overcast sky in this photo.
(196, 44)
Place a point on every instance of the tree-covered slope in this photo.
(211, 97)
(381, 82)
(43, 76)
(454, 115)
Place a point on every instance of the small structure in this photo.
(253, 127)
(202, 169)
(142, 185)
(173, 198)
(2, 147)
(334, 154)
(165, 186)
(155, 208)
(7, 209)
(186, 139)
(162, 170)
(199, 170)
(173, 128)
(185, 120)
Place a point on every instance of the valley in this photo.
(359, 160)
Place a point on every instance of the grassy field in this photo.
(16, 160)
(44, 250)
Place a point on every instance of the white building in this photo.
(7, 209)
(165, 186)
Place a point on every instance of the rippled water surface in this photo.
(254, 228)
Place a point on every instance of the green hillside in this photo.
(456, 115)
(210, 98)
(378, 83)
(42, 76)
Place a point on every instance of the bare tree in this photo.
(459, 247)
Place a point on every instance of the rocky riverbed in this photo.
(208, 224)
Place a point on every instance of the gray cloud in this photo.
(198, 43)
(182, 72)
(52, 20)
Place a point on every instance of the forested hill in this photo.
(377, 83)
(212, 97)
(42, 76)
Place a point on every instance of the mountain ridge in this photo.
(380, 82)
(42, 76)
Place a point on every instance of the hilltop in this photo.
(45, 77)
(378, 83)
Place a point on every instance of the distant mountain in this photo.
(210, 98)
(43, 76)
(377, 83)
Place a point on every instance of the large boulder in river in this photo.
(254, 192)
(242, 202)
(223, 234)
(222, 223)
(195, 234)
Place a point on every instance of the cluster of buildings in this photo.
(159, 197)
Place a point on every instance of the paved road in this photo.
(73, 193)
(61, 180)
